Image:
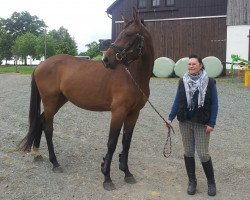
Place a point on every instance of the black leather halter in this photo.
(122, 52)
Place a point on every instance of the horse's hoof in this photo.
(130, 179)
(58, 169)
(38, 158)
(109, 186)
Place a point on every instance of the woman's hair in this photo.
(198, 58)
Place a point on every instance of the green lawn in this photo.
(16, 69)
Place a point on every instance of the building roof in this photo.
(110, 8)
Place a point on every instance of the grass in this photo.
(16, 69)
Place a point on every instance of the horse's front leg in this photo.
(115, 128)
(128, 129)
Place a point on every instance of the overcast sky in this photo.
(86, 20)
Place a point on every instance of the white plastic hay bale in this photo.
(163, 67)
(213, 66)
(181, 67)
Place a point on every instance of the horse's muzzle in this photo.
(108, 63)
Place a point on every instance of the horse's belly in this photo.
(93, 107)
(90, 102)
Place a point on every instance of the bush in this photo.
(99, 57)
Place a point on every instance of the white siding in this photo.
(237, 41)
(238, 12)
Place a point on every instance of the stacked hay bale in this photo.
(213, 66)
(163, 67)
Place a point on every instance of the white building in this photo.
(238, 29)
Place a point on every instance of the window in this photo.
(155, 3)
(141, 3)
(169, 2)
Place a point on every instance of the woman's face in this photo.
(194, 66)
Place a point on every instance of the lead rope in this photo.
(166, 152)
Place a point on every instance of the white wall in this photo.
(30, 61)
(237, 42)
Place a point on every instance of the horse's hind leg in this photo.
(128, 129)
(37, 140)
(48, 129)
(36, 143)
(50, 110)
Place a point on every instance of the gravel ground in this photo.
(80, 139)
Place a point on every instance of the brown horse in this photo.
(98, 86)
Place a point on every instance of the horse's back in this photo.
(65, 63)
(60, 68)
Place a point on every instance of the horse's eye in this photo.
(129, 35)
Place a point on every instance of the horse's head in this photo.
(128, 45)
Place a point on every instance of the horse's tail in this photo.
(35, 122)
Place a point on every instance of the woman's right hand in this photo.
(168, 123)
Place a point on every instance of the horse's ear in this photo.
(136, 15)
(125, 20)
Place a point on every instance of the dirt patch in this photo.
(80, 139)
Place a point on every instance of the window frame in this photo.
(169, 3)
(156, 1)
(141, 6)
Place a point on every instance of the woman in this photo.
(196, 107)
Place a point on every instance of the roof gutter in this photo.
(183, 18)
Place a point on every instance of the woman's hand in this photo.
(168, 123)
(209, 129)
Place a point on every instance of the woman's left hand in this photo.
(209, 129)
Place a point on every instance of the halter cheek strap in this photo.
(122, 53)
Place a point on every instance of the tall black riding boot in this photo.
(190, 167)
(209, 171)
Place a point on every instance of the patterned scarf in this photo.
(193, 82)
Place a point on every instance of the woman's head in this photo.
(195, 64)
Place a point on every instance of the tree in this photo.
(23, 35)
(5, 43)
(21, 23)
(64, 44)
(93, 50)
(5, 46)
(25, 45)
(17, 25)
(45, 46)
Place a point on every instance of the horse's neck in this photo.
(141, 70)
